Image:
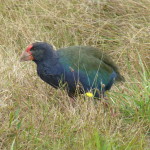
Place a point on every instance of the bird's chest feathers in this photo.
(50, 73)
(45, 69)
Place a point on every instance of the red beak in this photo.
(25, 56)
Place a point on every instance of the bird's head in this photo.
(37, 52)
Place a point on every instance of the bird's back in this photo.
(89, 66)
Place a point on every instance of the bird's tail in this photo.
(120, 77)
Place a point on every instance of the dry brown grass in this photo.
(36, 116)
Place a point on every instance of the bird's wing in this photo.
(91, 61)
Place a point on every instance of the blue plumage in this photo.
(79, 68)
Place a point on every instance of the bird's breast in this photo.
(50, 74)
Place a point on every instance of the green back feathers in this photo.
(83, 57)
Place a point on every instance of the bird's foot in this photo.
(72, 101)
(107, 106)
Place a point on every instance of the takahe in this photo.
(80, 69)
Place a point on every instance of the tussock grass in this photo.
(35, 116)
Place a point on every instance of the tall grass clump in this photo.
(33, 115)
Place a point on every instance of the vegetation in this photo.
(34, 116)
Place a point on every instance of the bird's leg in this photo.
(107, 106)
(103, 91)
(105, 101)
(72, 98)
(72, 101)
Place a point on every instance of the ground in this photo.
(33, 115)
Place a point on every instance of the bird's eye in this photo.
(32, 49)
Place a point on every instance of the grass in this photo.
(33, 115)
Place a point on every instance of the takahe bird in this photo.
(82, 69)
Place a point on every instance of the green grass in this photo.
(34, 116)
